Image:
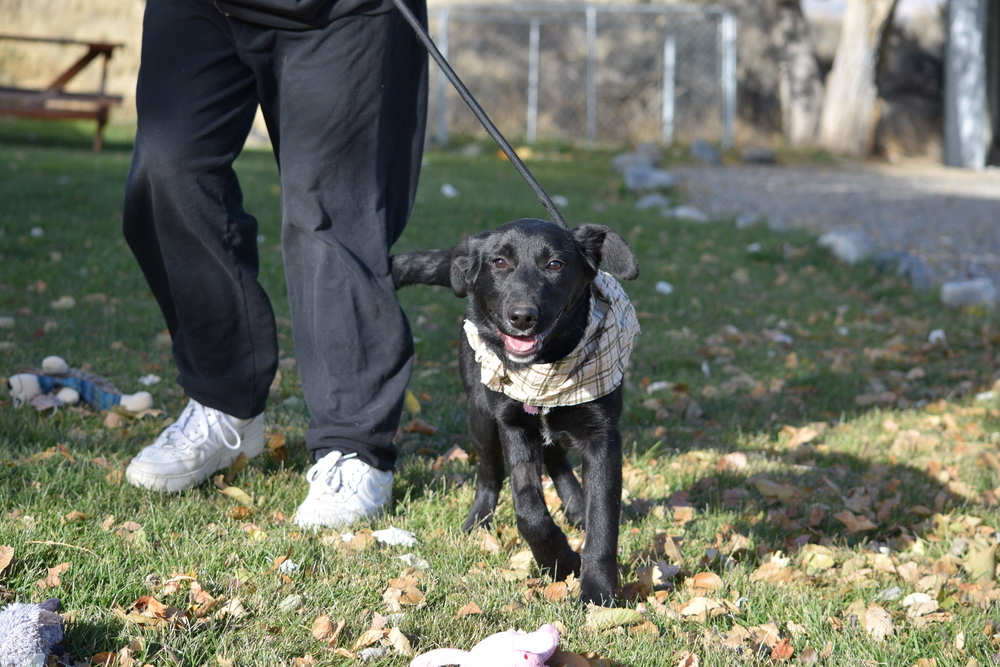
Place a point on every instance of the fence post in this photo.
(592, 75)
(533, 38)
(727, 76)
(669, 78)
(444, 14)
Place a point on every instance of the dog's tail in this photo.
(421, 267)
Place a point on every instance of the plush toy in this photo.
(68, 385)
(29, 633)
(512, 648)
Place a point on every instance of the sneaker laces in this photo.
(192, 427)
(330, 470)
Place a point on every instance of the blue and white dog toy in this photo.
(69, 385)
(29, 633)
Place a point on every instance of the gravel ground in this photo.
(949, 217)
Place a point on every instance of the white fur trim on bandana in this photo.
(593, 369)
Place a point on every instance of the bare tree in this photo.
(800, 86)
(851, 107)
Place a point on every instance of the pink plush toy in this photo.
(504, 649)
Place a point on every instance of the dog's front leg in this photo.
(548, 544)
(490, 474)
(602, 483)
(566, 483)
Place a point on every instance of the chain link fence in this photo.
(604, 74)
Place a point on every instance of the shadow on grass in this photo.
(75, 135)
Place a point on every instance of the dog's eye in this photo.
(500, 263)
(554, 265)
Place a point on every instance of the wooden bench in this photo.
(54, 101)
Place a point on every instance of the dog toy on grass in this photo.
(512, 648)
(69, 385)
(29, 633)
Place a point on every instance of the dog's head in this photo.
(529, 281)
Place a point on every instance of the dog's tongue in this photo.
(519, 345)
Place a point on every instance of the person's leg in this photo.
(185, 223)
(183, 213)
(346, 109)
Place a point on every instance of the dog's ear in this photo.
(602, 244)
(465, 263)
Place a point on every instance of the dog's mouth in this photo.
(521, 346)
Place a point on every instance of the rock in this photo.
(8, 322)
(647, 153)
(976, 292)
(686, 213)
(850, 247)
(449, 191)
(663, 287)
(651, 152)
(747, 220)
(560, 200)
(757, 155)
(703, 151)
(906, 266)
(641, 177)
(652, 200)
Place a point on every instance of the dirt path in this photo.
(949, 217)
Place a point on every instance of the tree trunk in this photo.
(850, 108)
(800, 87)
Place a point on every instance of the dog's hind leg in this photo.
(567, 485)
(490, 474)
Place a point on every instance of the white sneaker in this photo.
(201, 441)
(343, 489)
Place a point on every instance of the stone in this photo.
(703, 151)
(7, 322)
(757, 155)
(908, 266)
(652, 200)
(962, 293)
(747, 220)
(622, 162)
(686, 213)
(850, 246)
(651, 152)
(641, 177)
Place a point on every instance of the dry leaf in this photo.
(602, 618)
(75, 516)
(326, 631)
(782, 650)
(878, 622)
(411, 402)
(706, 580)
(471, 608)
(52, 580)
(6, 556)
(854, 523)
(113, 420)
(239, 495)
(700, 609)
(687, 659)
(488, 542)
(421, 427)
(454, 453)
(557, 591)
(567, 659)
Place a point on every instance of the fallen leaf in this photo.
(557, 591)
(567, 659)
(878, 622)
(782, 650)
(706, 580)
(113, 420)
(421, 427)
(602, 618)
(399, 642)
(52, 580)
(980, 562)
(326, 631)
(700, 609)
(411, 402)
(776, 491)
(454, 453)
(853, 522)
(471, 608)
(6, 556)
(239, 495)
(687, 659)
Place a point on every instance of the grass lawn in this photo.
(808, 479)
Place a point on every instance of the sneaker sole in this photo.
(153, 481)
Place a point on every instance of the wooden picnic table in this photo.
(54, 101)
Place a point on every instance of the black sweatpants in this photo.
(345, 106)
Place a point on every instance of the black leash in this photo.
(490, 128)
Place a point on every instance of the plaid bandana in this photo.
(593, 369)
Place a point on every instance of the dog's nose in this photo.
(522, 318)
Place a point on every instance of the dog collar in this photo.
(593, 369)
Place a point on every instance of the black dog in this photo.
(530, 286)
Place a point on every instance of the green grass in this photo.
(708, 458)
